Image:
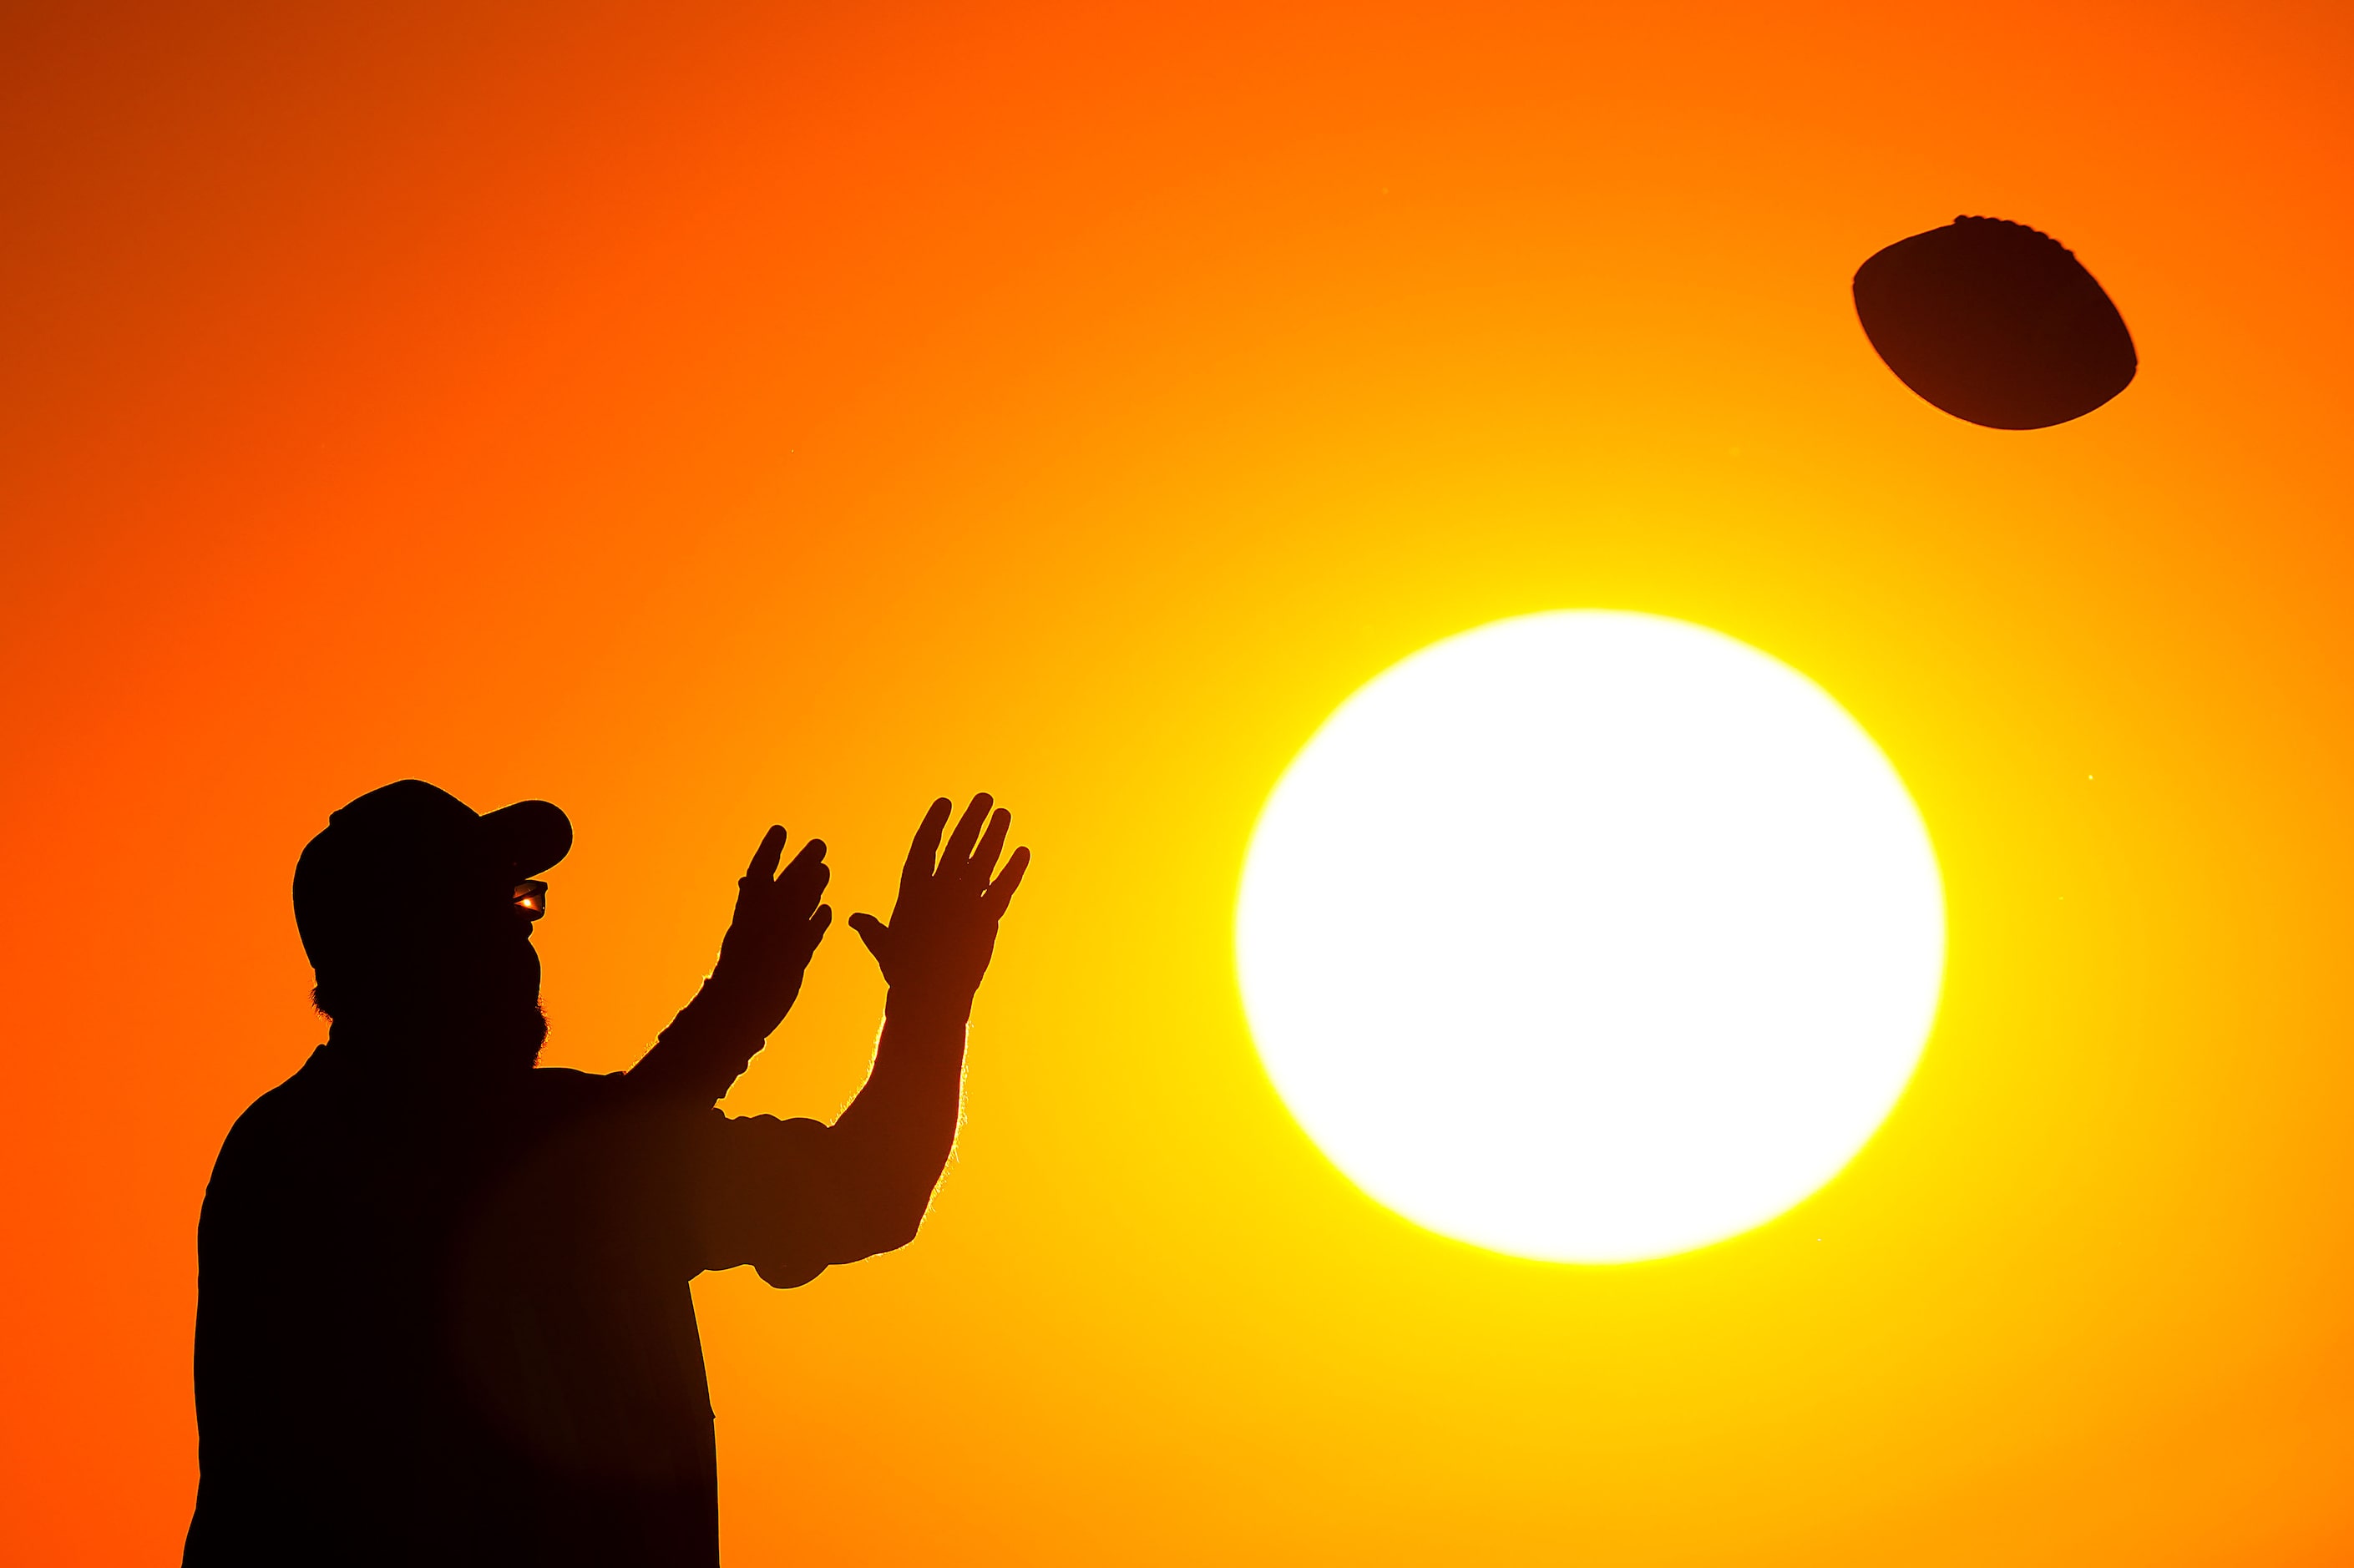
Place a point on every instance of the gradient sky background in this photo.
(707, 415)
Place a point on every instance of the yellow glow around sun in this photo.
(1590, 936)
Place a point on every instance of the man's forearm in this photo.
(705, 1050)
(893, 1141)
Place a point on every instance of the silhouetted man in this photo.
(444, 1315)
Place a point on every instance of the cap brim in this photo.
(530, 835)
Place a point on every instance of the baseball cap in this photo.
(407, 855)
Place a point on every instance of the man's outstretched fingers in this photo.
(807, 884)
(967, 829)
(875, 935)
(993, 844)
(925, 847)
(998, 892)
(810, 863)
(765, 858)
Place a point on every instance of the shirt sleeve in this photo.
(765, 1193)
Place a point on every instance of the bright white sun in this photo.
(1590, 936)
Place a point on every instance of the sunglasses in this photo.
(531, 897)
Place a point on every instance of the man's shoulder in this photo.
(279, 1130)
(289, 1100)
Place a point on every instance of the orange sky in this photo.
(702, 416)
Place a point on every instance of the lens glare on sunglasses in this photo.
(531, 897)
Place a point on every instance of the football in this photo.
(1996, 324)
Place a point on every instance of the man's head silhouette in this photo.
(408, 909)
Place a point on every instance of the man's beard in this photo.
(516, 1040)
(495, 1040)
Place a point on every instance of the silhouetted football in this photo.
(1995, 324)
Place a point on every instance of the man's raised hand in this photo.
(944, 926)
(779, 924)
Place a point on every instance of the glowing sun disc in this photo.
(1590, 936)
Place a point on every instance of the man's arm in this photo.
(777, 926)
(885, 1155)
